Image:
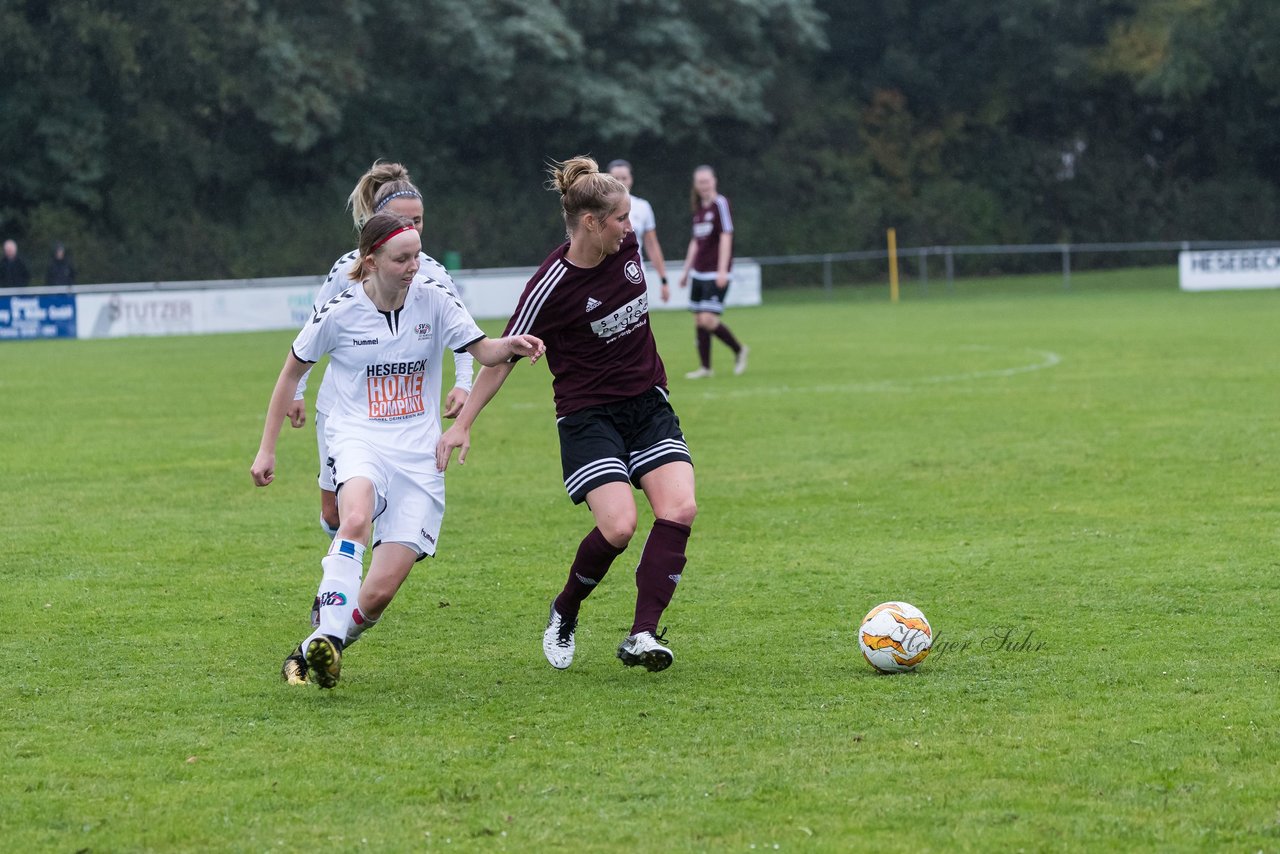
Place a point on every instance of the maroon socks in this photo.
(661, 564)
(595, 554)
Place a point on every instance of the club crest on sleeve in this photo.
(632, 270)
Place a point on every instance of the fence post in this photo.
(892, 235)
(951, 270)
(924, 270)
(1066, 266)
(826, 274)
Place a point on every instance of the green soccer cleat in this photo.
(324, 660)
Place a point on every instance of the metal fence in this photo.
(872, 265)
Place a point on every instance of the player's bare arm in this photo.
(490, 352)
(724, 257)
(263, 469)
(488, 381)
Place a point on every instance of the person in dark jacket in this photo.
(13, 270)
(61, 270)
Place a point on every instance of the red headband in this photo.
(401, 230)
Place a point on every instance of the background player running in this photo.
(709, 263)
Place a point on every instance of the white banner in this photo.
(192, 312)
(1229, 269)
(487, 294)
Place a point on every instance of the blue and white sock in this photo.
(339, 588)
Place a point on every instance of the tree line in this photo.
(199, 140)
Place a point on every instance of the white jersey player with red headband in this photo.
(384, 187)
(385, 336)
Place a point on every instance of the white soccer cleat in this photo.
(557, 640)
(643, 649)
(701, 373)
(740, 361)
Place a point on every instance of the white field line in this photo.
(1044, 359)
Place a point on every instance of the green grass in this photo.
(1094, 472)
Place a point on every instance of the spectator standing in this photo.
(13, 270)
(61, 271)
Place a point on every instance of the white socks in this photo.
(340, 587)
(358, 625)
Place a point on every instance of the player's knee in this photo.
(618, 531)
(683, 512)
(355, 525)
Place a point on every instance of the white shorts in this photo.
(325, 478)
(409, 506)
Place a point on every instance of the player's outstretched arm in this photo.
(491, 352)
(488, 381)
(263, 469)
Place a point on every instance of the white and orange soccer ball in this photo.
(895, 637)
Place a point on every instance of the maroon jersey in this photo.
(595, 323)
(709, 222)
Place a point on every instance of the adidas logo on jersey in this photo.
(592, 303)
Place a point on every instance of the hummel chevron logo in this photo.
(345, 295)
(592, 303)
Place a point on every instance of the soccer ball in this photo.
(895, 637)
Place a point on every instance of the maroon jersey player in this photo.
(588, 302)
(709, 266)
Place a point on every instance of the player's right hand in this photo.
(263, 468)
(454, 437)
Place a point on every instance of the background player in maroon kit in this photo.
(709, 262)
(589, 303)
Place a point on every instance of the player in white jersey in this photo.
(385, 336)
(644, 224)
(385, 187)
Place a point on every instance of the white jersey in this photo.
(384, 368)
(642, 220)
(339, 280)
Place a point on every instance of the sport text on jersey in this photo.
(395, 389)
(622, 319)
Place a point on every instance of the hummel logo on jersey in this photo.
(345, 295)
(363, 342)
(592, 303)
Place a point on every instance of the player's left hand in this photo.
(722, 281)
(528, 346)
(456, 399)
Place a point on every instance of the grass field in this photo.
(1079, 488)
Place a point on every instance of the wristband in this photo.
(664, 280)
